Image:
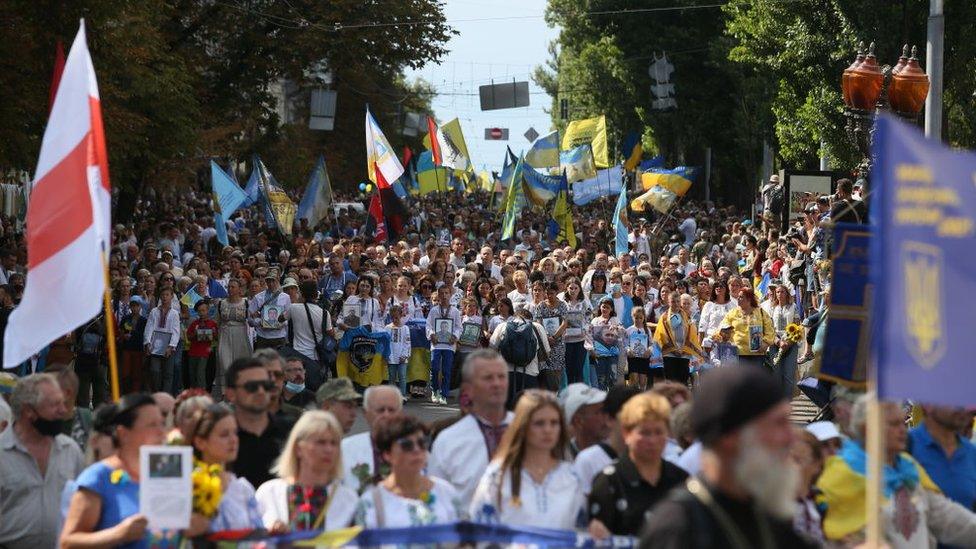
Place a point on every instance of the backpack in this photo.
(776, 201)
(519, 345)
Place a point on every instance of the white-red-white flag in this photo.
(68, 217)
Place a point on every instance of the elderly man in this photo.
(363, 464)
(339, 397)
(35, 463)
(914, 513)
(744, 495)
(461, 453)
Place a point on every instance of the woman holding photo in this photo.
(551, 313)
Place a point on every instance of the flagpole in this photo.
(113, 365)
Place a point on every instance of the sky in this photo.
(497, 49)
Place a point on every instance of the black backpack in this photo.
(519, 345)
(776, 200)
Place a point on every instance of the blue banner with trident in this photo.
(923, 266)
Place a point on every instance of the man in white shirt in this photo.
(360, 467)
(268, 314)
(486, 258)
(443, 331)
(592, 460)
(461, 452)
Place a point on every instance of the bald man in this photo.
(362, 463)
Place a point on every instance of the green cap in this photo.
(339, 388)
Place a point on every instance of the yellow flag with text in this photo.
(592, 131)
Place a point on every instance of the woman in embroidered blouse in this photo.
(104, 512)
(406, 497)
(308, 493)
(364, 305)
(529, 482)
(214, 440)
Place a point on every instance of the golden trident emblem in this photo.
(924, 321)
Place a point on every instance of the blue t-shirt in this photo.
(119, 500)
(955, 476)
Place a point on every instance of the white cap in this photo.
(823, 430)
(577, 395)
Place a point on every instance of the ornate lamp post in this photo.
(869, 88)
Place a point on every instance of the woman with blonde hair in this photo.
(529, 482)
(308, 493)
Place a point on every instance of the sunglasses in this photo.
(409, 444)
(253, 386)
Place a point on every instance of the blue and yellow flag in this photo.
(512, 206)
(677, 180)
(592, 131)
(544, 152)
(540, 188)
(363, 356)
(632, 150)
(561, 223)
(578, 163)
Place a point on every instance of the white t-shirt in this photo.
(557, 502)
(690, 459)
(302, 332)
(357, 452)
(589, 462)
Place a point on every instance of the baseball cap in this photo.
(823, 430)
(339, 388)
(289, 283)
(577, 395)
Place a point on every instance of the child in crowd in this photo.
(638, 349)
(201, 334)
(472, 330)
(400, 349)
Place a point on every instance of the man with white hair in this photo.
(363, 464)
(744, 495)
(36, 461)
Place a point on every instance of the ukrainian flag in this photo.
(677, 180)
(363, 356)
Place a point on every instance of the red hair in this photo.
(748, 292)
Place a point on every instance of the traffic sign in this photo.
(496, 134)
(531, 134)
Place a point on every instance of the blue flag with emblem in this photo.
(227, 197)
(922, 265)
(317, 198)
(607, 182)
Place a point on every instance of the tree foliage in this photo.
(805, 45)
(600, 64)
(182, 81)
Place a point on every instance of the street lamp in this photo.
(868, 88)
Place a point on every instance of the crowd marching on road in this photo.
(643, 394)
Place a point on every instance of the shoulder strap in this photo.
(311, 324)
(378, 504)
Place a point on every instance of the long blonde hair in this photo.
(511, 450)
(310, 423)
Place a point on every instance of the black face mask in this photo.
(48, 427)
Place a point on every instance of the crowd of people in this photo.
(643, 394)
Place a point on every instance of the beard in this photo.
(770, 479)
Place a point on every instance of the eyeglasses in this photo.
(409, 444)
(278, 374)
(253, 386)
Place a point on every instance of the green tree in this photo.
(182, 81)
(600, 65)
(805, 45)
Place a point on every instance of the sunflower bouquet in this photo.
(793, 334)
(207, 488)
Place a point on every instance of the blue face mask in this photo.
(294, 387)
